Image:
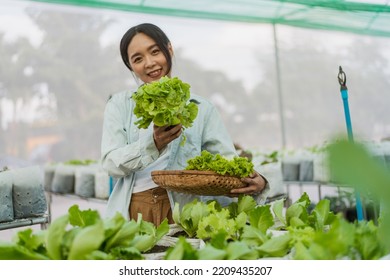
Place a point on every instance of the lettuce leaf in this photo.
(164, 102)
(238, 166)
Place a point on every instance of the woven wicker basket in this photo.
(196, 182)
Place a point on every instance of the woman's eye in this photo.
(137, 60)
(155, 51)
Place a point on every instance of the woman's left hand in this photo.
(255, 185)
(163, 135)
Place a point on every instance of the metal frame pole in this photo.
(279, 84)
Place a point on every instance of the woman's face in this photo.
(146, 59)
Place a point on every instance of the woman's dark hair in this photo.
(153, 32)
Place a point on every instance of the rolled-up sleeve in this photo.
(262, 197)
(119, 156)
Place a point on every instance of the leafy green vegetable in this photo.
(125, 253)
(82, 218)
(26, 246)
(164, 102)
(207, 220)
(254, 236)
(261, 218)
(148, 235)
(220, 249)
(12, 251)
(217, 249)
(123, 236)
(54, 237)
(220, 221)
(113, 225)
(209, 252)
(80, 162)
(366, 241)
(321, 215)
(277, 208)
(270, 158)
(191, 214)
(183, 250)
(238, 166)
(80, 235)
(333, 244)
(297, 214)
(83, 243)
(34, 242)
(353, 165)
(238, 250)
(277, 246)
(245, 203)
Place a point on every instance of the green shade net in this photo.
(361, 17)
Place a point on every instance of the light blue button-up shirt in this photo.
(124, 152)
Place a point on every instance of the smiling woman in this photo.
(230, 63)
(159, 142)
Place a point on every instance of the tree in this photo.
(80, 73)
(16, 85)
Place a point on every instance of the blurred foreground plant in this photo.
(352, 164)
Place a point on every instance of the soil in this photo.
(180, 233)
(157, 249)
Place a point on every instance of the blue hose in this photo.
(344, 96)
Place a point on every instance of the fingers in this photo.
(163, 135)
(252, 179)
(248, 180)
(167, 129)
(254, 185)
(245, 190)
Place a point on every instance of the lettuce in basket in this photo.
(238, 166)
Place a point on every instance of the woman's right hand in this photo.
(163, 135)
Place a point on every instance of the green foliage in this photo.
(220, 221)
(244, 204)
(181, 251)
(238, 166)
(297, 214)
(261, 218)
(277, 246)
(148, 235)
(260, 221)
(352, 164)
(81, 235)
(241, 230)
(165, 103)
(234, 250)
(209, 220)
(80, 162)
(270, 158)
(189, 216)
(122, 235)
